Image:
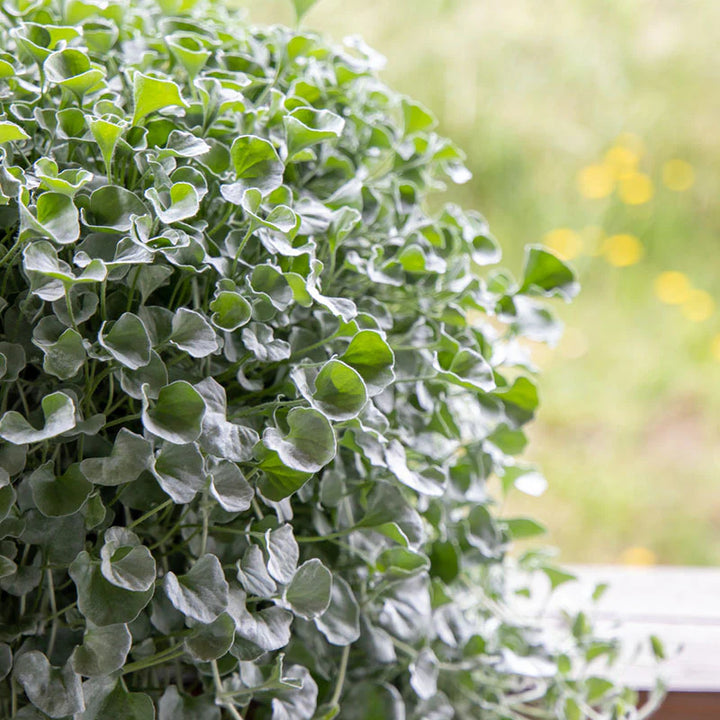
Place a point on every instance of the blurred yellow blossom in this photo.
(622, 160)
(699, 306)
(622, 250)
(638, 556)
(635, 188)
(673, 287)
(596, 181)
(565, 242)
(715, 347)
(678, 175)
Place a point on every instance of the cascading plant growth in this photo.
(252, 390)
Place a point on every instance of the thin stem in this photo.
(53, 607)
(217, 680)
(335, 699)
(150, 513)
(125, 419)
(171, 653)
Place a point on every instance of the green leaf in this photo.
(522, 527)
(258, 632)
(107, 697)
(310, 443)
(340, 623)
(307, 126)
(557, 576)
(101, 602)
(103, 650)
(10, 132)
(212, 641)
(176, 415)
(151, 94)
(283, 553)
(130, 455)
(179, 203)
(547, 275)
(398, 562)
(67, 182)
(340, 393)
(124, 562)
(180, 471)
(201, 593)
(658, 648)
(309, 593)
(127, 340)
(192, 333)
(220, 437)
(173, 706)
(55, 691)
(106, 134)
(111, 208)
(55, 216)
(229, 487)
(70, 68)
(230, 311)
(64, 495)
(253, 575)
(59, 412)
(302, 7)
(257, 165)
(65, 356)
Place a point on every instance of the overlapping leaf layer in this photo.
(252, 388)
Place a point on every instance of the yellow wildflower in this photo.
(596, 181)
(635, 188)
(699, 306)
(622, 160)
(678, 175)
(565, 242)
(673, 287)
(623, 250)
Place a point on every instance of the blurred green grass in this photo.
(629, 430)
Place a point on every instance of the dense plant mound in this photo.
(252, 390)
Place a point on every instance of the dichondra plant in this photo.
(253, 389)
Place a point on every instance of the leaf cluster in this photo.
(252, 389)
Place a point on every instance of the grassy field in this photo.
(592, 125)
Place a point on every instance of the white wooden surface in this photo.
(680, 605)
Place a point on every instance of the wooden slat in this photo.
(679, 605)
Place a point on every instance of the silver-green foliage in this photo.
(253, 389)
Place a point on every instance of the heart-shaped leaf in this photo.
(373, 358)
(309, 593)
(59, 412)
(125, 562)
(180, 471)
(101, 602)
(151, 94)
(127, 340)
(131, 454)
(103, 650)
(176, 415)
(59, 496)
(229, 487)
(192, 333)
(55, 691)
(340, 623)
(201, 593)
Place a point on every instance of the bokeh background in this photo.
(592, 126)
